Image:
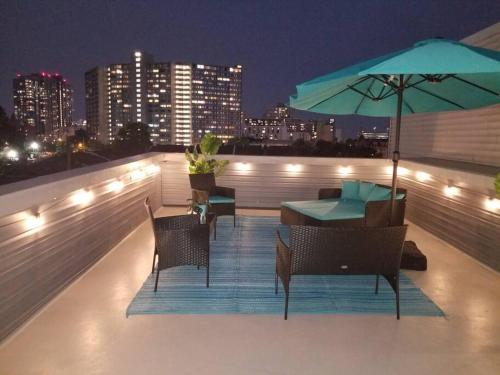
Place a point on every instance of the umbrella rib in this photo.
(363, 98)
(438, 97)
(475, 85)
(338, 93)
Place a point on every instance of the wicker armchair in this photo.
(180, 241)
(340, 251)
(221, 200)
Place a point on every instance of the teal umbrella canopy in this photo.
(432, 76)
(436, 75)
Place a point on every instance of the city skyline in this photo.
(273, 41)
(178, 101)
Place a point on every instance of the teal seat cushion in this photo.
(379, 193)
(365, 189)
(329, 209)
(350, 190)
(215, 199)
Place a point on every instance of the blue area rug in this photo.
(242, 282)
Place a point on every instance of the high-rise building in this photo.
(180, 102)
(95, 102)
(43, 103)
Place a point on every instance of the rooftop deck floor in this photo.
(85, 331)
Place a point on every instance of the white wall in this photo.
(470, 136)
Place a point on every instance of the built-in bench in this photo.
(357, 203)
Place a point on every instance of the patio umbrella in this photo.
(432, 76)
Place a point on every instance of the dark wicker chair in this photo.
(340, 251)
(203, 188)
(180, 241)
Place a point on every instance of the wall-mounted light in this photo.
(34, 221)
(137, 175)
(116, 186)
(402, 171)
(492, 204)
(243, 166)
(451, 191)
(82, 197)
(344, 171)
(293, 168)
(423, 176)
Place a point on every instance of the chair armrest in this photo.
(329, 193)
(225, 191)
(283, 261)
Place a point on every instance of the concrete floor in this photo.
(84, 330)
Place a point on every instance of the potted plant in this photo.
(200, 160)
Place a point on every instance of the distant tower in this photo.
(43, 103)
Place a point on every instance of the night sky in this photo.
(279, 43)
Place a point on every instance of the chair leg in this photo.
(198, 266)
(208, 273)
(157, 275)
(234, 220)
(397, 296)
(286, 305)
(376, 284)
(154, 258)
(215, 232)
(276, 283)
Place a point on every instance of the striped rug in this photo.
(242, 282)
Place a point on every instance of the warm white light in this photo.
(492, 204)
(423, 176)
(12, 154)
(243, 166)
(451, 191)
(402, 171)
(34, 146)
(137, 175)
(152, 169)
(33, 222)
(82, 197)
(293, 168)
(116, 186)
(344, 171)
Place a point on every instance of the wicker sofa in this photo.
(313, 250)
(334, 208)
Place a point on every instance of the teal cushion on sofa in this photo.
(214, 199)
(350, 190)
(365, 189)
(400, 196)
(379, 193)
(329, 209)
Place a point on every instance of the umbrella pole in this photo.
(395, 154)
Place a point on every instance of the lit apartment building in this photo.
(278, 124)
(178, 101)
(43, 103)
(96, 102)
(216, 101)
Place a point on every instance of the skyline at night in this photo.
(279, 44)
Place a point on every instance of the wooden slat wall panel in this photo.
(471, 136)
(35, 265)
(269, 181)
